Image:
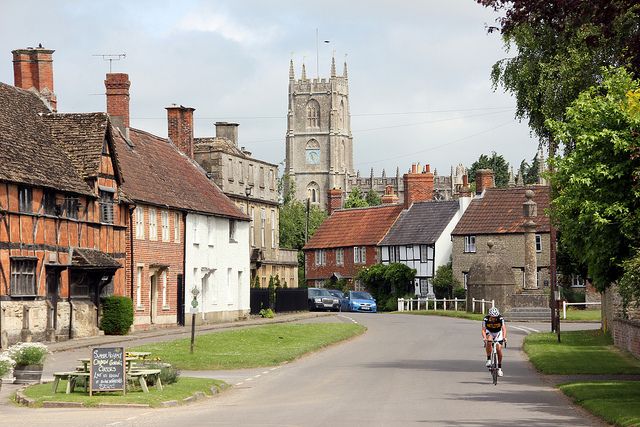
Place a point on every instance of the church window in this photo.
(313, 192)
(313, 114)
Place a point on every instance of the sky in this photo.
(419, 71)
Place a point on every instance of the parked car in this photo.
(321, 299)
(338, 294)
(359, 301)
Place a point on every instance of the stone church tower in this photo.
(319, 144)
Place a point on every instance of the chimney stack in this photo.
(418, 186)
(33, 69)
(389, 196)
(180, 124)
(335, 200)
(484, 179)
(228, 131)
(117, 85)
(465, 191)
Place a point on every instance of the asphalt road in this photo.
(406, 370)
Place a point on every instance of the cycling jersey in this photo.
(493, 324)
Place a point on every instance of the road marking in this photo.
(524, 329)
(265, 372)
(248, 379)
(273, 369)
(257, 376)
(115, 424)
(347, 317)
(131, 418)
(240, 383)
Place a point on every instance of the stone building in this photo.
(62, 215)
(252, 184)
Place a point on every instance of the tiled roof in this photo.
(29, 154)
(91, 258)
(218, 144)
(500, 211)
(354, 227)
(82, 136)
(423, 223)
(156, 172)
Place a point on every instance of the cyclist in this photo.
(494, 328)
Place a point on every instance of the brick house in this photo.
(496, 214)
(62, 218)
(182, 228)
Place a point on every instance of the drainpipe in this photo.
(184, 271)
(132, 264)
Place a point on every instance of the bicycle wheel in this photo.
(494, 368)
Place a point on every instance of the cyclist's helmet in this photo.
(494, 312)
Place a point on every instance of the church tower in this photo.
(319, 143)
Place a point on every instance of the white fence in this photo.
(565, 304)
(415, 304)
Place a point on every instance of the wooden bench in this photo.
(72, 378)
(142, 375)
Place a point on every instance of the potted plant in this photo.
(6, 364)
(29, 358)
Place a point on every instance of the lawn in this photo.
(582, 315)
(267, 345)
(617, 402)
(581, 352)
(179, 390)
(446, 313)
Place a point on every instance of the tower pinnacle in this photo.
(333, 66)
(304, 72)
(292, 75)
(344, 73)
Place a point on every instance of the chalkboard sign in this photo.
(107, 371)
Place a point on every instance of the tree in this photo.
(373, 198)
(560, 49)
(444, 282)
(387, 283)
(356, 199)
(497, 163)
(529, 172)
(596, 197)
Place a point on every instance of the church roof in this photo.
(499, 211)
(422, 223)
(354, 227)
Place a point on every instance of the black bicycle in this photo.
(493, 368)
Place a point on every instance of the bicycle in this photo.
(493, 368)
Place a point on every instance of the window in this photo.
(176, 227)
(469, 243)
(313, 192)
(340, 256)
(261, 177)
(252, 227)
(23, 277)
(232, 231)
(272, 181)
(359, 255)
(229, 296)
(139, 287)
(263, 221)
(153, 224)
(196, 235)
(465, 279)
(105, 148)
(211, 231)
(273, 229)
(538, 243)
(240, 173)
(250, 177)
(139, 222)
(106, 207)
(423, 253)
(49, 203)
(165, 226)
(25, 199)
(321, 257)
(313, 114)
(409, 249)
(71, 206)
(164, 290)
(230, 169)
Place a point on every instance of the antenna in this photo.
(112, 57)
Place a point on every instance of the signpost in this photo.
(107, 371)
(194, 310)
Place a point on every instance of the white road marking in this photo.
(131, 418)
(265, 372)
(347, 317)
(248, 379)
(240, 383)
(114, 424)
(257, 376)
(524, 329)
(273, 369)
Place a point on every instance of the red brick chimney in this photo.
(335, 200)
(180, 123)
(389, 196)
(484, 179)
(465, 191)
(418, 186)
(33, 69)
(117, 85)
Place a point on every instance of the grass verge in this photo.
(446, 313)
(251, 347)
(614, 401)
(582, 315)
(581, 352)
(179, 390)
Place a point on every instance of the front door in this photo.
(153, 301)
(53, 289)
(180, 300)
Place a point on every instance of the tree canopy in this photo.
(293, 218)
(373, 198)
(497, 163)
(596, 186)
(356, 199)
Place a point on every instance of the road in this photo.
(406, 370)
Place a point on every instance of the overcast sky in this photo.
(419, 71)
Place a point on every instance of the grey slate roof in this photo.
(421, 224)
(29, 154)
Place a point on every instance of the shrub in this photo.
(268, 313)
(6, 364)
(460, 293)
(28, 353)
(117, 315)
(168, 374)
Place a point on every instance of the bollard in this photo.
(455, 302)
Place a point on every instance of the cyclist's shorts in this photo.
(496, 336)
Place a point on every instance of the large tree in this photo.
(560, 48)
(596, 200)
(497, 163)
(356, 199)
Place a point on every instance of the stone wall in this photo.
(626, 335)
(625, 332)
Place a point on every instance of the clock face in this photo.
(313, 156)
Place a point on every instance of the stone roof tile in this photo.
(422, 223)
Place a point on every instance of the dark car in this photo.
(359, 301)
(338, 294)
(321, 299)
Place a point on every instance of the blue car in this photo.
(360, 301)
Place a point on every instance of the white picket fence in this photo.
(565, 304)
(415, 304)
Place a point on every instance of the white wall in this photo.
(444, 244)
(224, 266)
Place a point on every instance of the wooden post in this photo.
(193, 330)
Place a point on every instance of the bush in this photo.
(28, 353)
(268, 313)
(117, 315)
(391, 304)
(460, 293)
(6, 364)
